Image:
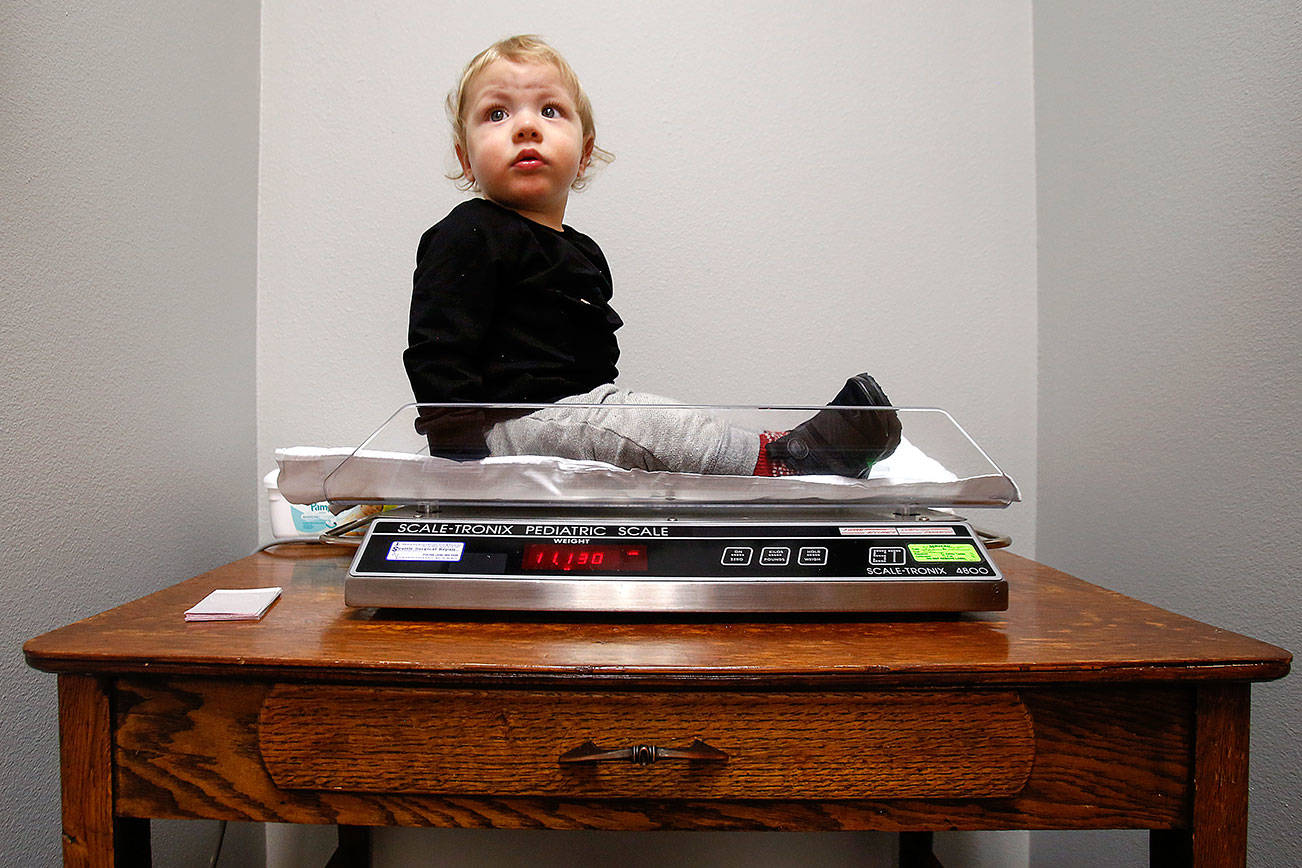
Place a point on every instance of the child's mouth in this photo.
(528, 160)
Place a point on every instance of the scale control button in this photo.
(736, 556)
(813, 556)
(775, 556)
(880, 556)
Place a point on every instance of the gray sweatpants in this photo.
(682, 441)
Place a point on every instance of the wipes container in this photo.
(295, 519)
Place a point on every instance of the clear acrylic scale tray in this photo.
(935, 465)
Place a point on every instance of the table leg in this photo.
(1218, 832)
(354, 849)
(91, 835)
(915, 850)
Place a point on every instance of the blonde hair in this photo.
(524, 48)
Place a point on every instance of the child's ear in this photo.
(588, 145)
(465, 163)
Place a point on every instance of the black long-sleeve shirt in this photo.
(507, 310)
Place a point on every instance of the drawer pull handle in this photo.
(643, 754)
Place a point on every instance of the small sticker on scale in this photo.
(930, 553)
(423, 550)
(938, 530)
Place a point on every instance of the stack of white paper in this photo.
(248, 604)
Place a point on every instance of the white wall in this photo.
(1169, 163)
(128, 174)
(800, 192)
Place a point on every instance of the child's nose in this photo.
(527, 130)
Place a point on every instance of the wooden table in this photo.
(1078, 708)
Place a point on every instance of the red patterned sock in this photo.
(765, 466)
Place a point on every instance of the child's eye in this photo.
(497, 115)
(550, 111)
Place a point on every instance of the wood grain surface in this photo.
(1219, 832)
(1104, 757)
(85, 760)
(910, 744)
(1058, 628)
(92, 835)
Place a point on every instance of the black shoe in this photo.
(845, 443)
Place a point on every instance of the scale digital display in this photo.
(581, 558)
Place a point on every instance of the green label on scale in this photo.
(931, 553)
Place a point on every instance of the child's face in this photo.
(524, 139)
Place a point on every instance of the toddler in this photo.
(512, 306)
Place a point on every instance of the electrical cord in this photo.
(221, 836)
(288, 540)
(993, 540)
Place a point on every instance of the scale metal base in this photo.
(673, 565)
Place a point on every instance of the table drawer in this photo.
(898, 744)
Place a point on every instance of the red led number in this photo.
(578, 557)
